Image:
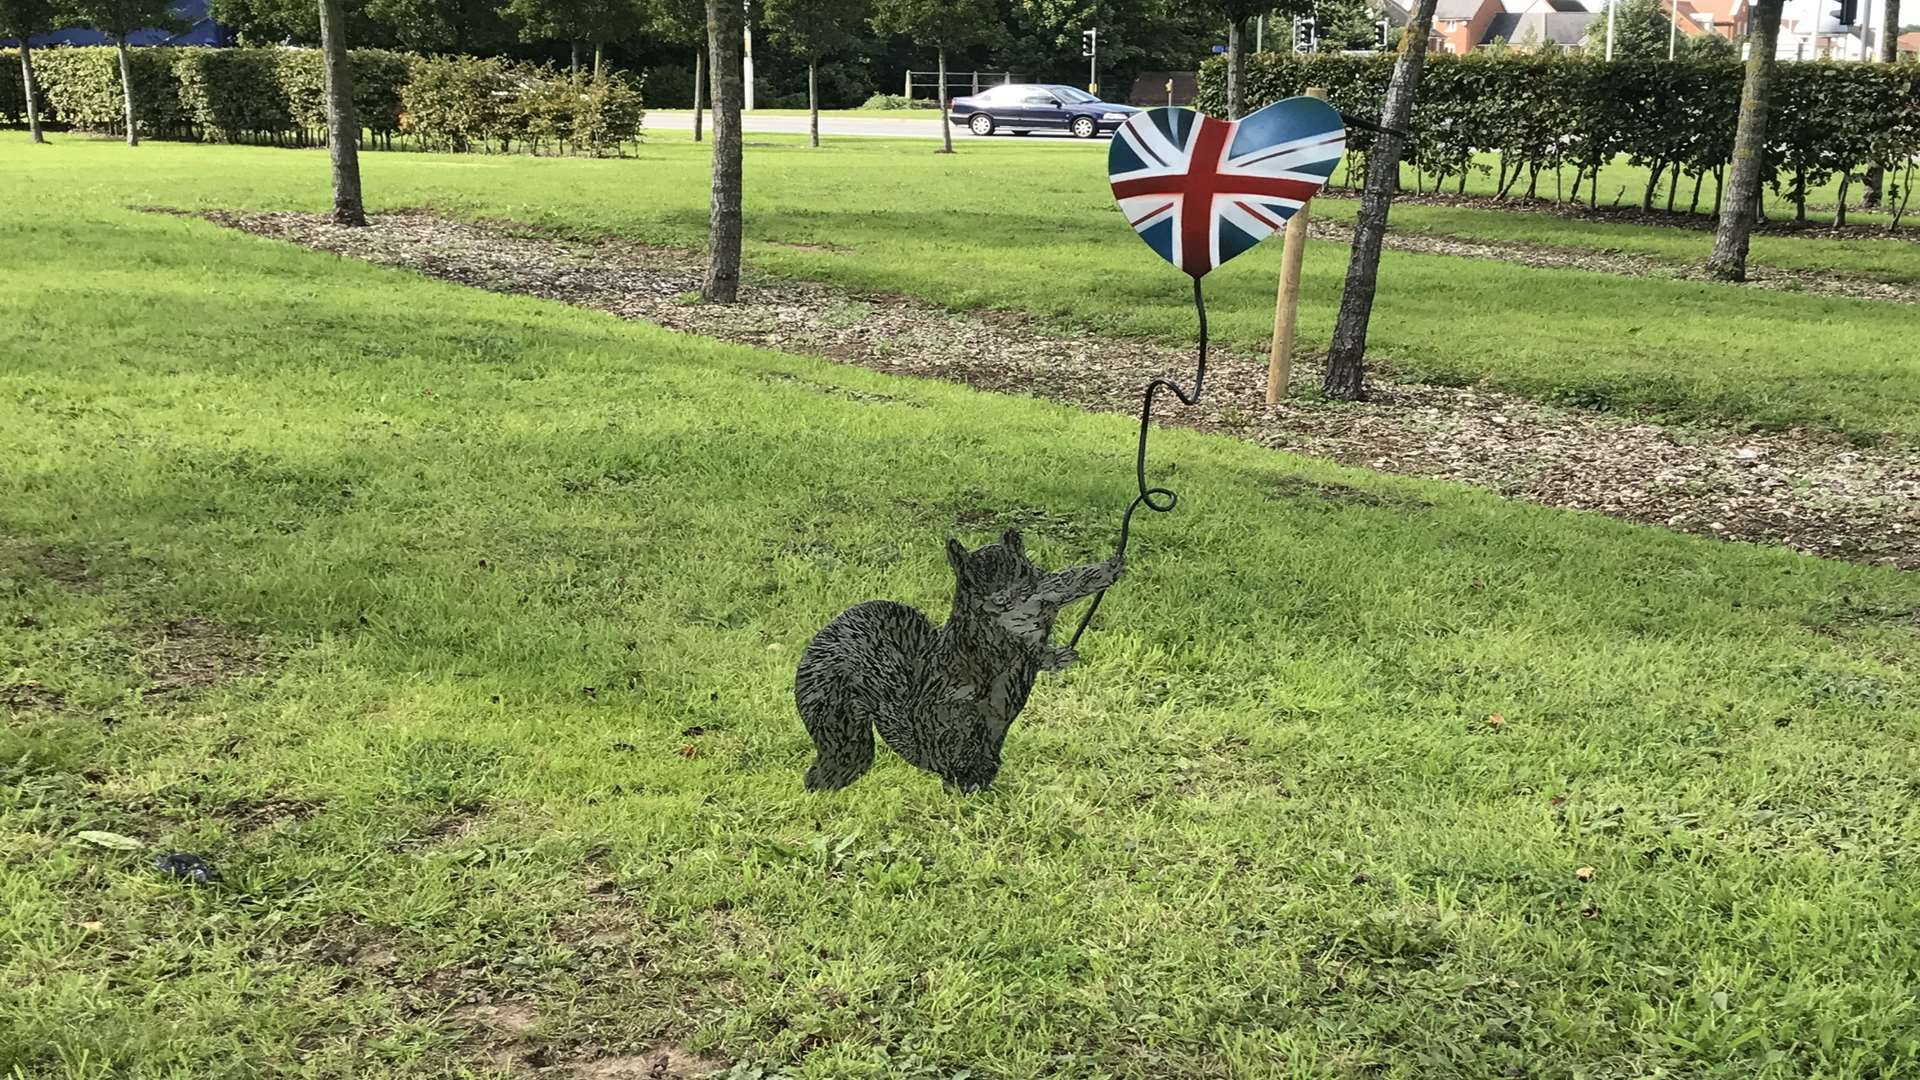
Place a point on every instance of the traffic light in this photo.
(1089, 40)
(1839, 14)
(1381, 30)
(1306, 37)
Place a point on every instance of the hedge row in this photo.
(278, 96)
(1541, 112)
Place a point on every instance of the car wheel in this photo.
(981, 124)
(1084, 127)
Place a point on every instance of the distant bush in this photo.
(897, 101)
(278, 96)
(462, 103)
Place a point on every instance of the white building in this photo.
(1810, 31)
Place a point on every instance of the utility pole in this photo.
(746, 61)
(1673, 26)
(1611, 4)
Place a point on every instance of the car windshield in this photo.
(1071, 95)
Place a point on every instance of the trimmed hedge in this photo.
(1541, 112)
(278, 96)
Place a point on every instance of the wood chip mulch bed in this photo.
(1811, 492)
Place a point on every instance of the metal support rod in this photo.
(1157, 499)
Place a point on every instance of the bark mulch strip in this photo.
(1805, 490)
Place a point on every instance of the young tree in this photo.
(22, 19)
(1135, 35)
(725, 30)
(343, 128)
(118, 19)
(1344, 24)
(1889, 54)
(684, 22)
(812, 29)
(595, 21)
(943, 24)
(1238, 13)
(1345, 377)
(1729, 259)
(1640, 31)
(440, 25)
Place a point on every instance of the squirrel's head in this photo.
(995, 585)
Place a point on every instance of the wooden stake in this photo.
(1286, 304)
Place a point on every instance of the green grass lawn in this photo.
(1893, 257)
(1035, 229)
(510, 596)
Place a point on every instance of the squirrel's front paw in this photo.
(1059, 658)
(1116, 566)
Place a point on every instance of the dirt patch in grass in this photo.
(456, 824)
(1814, 493)
(184, 655)
(864, 396)
(252, 816)
(67, 569)
(510, 1019)
(23, 698)
(1296, 487)
(661, 1063)
(1600, 261)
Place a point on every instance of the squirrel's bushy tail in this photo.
(842, 734)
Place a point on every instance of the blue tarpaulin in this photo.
(200, 30)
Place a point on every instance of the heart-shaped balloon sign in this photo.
(1200, 191)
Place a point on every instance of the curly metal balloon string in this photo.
(1157, 499)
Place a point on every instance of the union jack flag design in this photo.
(1200, 191)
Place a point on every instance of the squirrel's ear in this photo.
(957, 557)
(1011, 540)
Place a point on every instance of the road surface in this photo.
(919, 126)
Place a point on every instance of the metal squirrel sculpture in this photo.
(942, 697)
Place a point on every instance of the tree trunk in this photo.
(724, 35)
(1840, 204)
(1236, 69)
(126, 90)
(343, 129)
(1889, 54)
(1729, 259)
(813, 99)
(599, 57)
(699, 88)
(573, 57)
(1345, 378)
(32, 88)
(946, 125)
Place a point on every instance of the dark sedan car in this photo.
(1024, 107)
